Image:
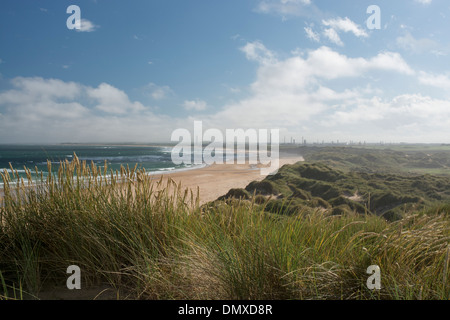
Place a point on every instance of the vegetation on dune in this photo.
(393, 159)
(149, 239)
(303, 187)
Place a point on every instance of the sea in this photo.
(155, 159)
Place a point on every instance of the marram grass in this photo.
(150, 239)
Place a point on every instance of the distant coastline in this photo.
(149, 145)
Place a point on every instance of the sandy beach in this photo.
(216, 180)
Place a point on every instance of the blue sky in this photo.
(137, 70)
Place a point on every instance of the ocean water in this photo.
(153, 159)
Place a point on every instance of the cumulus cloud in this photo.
(333, 36)
(441, 81)
(256, 51)
(32, 89)
(407, 117)
(112, 100)
(37, 110)
(314, 36)
(332, 28)
(391, 61)
(345, 25)
(296, 96)
(291, 92)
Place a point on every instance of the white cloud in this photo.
(40, 110)
(113, 100)
(39, 89)
(256, 51)
(404, 118)
(326, 64)
(293, 92)
(435, 80)
(333, 36)
(40, 100)
(396, 117)
(197, 105)
(345, 25)
(87, 26)
(391, 61)
(332, 27)
(314, 36)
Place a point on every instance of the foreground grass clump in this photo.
(149, 239)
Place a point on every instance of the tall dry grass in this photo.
(150, 239)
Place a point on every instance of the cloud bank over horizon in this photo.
(290, 94)
(325, 87)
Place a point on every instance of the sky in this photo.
(137, 70)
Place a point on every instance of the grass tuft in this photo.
(149, 239)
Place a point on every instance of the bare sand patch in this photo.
(216, 180)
